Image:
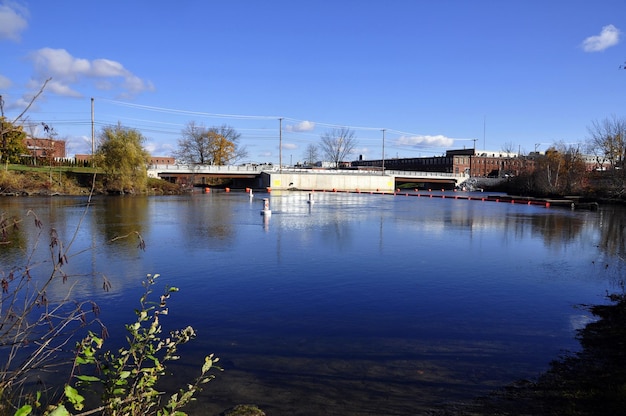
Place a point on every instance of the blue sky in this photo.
(435, 75)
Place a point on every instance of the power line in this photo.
(248, 117)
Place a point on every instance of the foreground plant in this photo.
(127, 379)
(36, 329)
(37, 333)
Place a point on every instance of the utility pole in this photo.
(383, 165)
(93, 132)
(280, 145)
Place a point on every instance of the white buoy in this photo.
(310, 201)
(250, 193)
(266, 207)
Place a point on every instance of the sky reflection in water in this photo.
(382, 302)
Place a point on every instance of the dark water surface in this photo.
(355, 305)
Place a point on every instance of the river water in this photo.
(355, 304)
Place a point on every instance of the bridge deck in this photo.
(344, 179)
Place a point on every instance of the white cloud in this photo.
(107, 68)
(608, 37)
(78, 145)
(67, 70)
(4, 82)
(159, 149)
(134, 85)
(289, 146)
(12, 20)
(61, 89)
(425, 141)
(300, 127)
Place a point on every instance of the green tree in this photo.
(337, 144)
(123, 158)
(12, 138)
(209, 146)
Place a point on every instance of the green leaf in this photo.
(74, 397)
(87, 378)
(24, 410)
(60, 411)
(124, 374)
(81, 360)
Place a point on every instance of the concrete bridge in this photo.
(269, 176)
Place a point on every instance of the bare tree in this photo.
(311, 154)
(508, 148)
(337, 144)
(192, 147)
(607, 141)
(209, 146)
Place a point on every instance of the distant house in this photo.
(45, 148)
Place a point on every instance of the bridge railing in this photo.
(191, 168)
(427, 174)
(324, 171)
(212, 168)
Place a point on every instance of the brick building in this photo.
(45, 148)
(454, 161)
(473, 162)
(468, 161)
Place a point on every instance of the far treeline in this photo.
(563, 170)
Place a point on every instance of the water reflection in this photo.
(612, 224)
(354, 293)
(122, 220)
(12, 237)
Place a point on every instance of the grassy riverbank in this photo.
(17, 180)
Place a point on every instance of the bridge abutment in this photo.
(328, 182)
